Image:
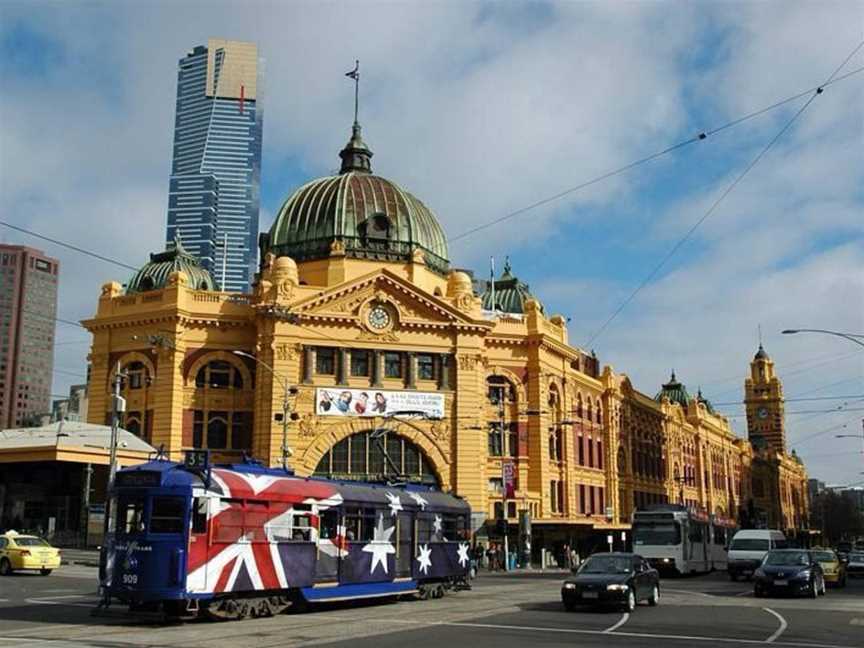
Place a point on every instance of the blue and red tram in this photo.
(243, 540)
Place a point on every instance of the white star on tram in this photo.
(395, 503)
(418, 499)
(463, 553)
(425, 558)
(436, 524)
(380, 545)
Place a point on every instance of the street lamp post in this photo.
(852, 337)
(854, 436)
(287, 390)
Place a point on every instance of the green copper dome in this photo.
(154, 275)
(509, 294)
(366, 215)
(674, 391)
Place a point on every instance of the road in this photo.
(502, 611)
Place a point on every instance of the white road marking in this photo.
(745, 593)
(44, 602)
(643, 635)
(67, 596)
(780, 630)
(621, 622)
(857, 622)
(688, 592)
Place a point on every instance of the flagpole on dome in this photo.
(355, 74)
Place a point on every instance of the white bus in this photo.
(678, 540)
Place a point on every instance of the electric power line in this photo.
(720, 199)
(609, 174)
(791, 400)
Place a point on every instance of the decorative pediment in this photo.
(402, 302)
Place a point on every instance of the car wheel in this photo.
(45, 572)
(630, 605)
(654, 599)
(5, 567)
(823, 589)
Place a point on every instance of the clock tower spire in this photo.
(763, 397)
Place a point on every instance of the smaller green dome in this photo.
(509, 294)
(154, 275)
(674, 391)
(705, 402)
(761, 354)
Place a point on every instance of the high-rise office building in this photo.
(28, 306)
(215, 173)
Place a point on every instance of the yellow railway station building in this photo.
(378, 360)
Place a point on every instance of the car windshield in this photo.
(824, 556)
(856, 557)
(653, 533)
(607, 565)
(788, 558)
(31, 542)
(749, 544)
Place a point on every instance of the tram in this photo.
(678, 540)
(240, 540)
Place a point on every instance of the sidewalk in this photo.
(86, 557)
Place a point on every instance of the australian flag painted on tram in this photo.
(178, 534)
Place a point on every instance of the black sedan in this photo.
(789, 571)
(612, 579)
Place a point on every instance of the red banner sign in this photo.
(508, 479)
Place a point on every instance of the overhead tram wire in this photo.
(790, 400)
(68, 246)
(703, 135)
(819, 90)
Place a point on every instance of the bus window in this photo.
(167, 514)
(656, 533)
(130, 515)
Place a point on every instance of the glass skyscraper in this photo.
(214, 191)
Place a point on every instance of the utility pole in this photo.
(118, 406)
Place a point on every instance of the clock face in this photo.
(762, 412)
(378, 318)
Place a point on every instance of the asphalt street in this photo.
(501, 611)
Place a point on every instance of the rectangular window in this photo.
(360, 363)
(393, 365)
(199, 515)
(581, 443)
(425, 367)
(553, 496)
(496, 486)
(241, 431)
(495, 449)
(590, 452)
(560, 496)
(130, 515)
(591, 509)
(600, 454)
(167, 515)
(513, 439)
(325, 360)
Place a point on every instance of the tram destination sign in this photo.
(371, 402)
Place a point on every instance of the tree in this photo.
(836, 516)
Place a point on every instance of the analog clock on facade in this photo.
(378, 318)
(762, 412)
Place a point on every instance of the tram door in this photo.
(405, 550)
(330, 547)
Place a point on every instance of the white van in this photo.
(749, 547)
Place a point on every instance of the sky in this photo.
(481, 109)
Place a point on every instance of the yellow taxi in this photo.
(833, 570)
(19, 551)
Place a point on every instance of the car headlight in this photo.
(803, 575)
(617, 588)
(667, 560)
(569, 585)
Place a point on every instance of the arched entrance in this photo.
(377, 456)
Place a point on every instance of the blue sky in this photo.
(480, 109)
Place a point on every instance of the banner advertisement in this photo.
(371, 402)
(508, 479)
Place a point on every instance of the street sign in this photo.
(508, 479)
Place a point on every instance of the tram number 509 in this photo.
(130, 579)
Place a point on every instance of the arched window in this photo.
(386, 456)
(500, 390)
(137, 375)
(219, 374)
(133, 423)
(590, 413)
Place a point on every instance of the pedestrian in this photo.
(567, 562)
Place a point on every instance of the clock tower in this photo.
(763, 397)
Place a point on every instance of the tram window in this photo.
(167, 515)
(302, 528)
(329, 525)
(130, 515)
(369, 520)
(448, 528)
(199, 515)
(424, 530)
(352, 525)
(254, 519)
